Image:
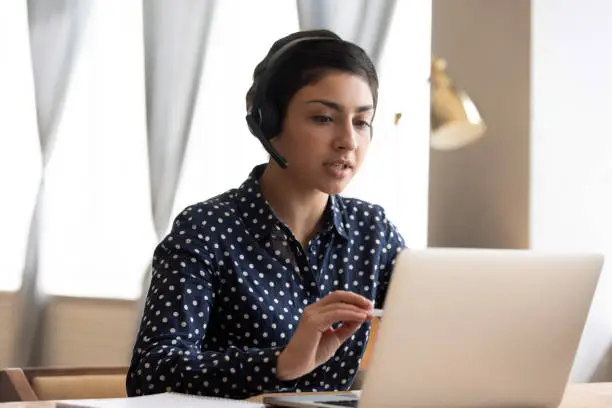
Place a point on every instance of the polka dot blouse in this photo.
(229, 285)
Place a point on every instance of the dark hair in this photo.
(307, 62)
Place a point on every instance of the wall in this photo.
(571, 160)
(76, 331)
(7, 328)
(88, 332)
(542, 176)
(479, 195)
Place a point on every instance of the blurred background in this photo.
(115, 115)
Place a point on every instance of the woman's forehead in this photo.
(343, 90)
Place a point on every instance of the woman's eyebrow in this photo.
(337, 107)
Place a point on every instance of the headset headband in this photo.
(271, 66)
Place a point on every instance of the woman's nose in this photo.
(346, 138)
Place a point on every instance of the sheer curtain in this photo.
(55, 31)
(172, 79)
(101, 237)
(221, 151)
(364, 22)
(98, 233)
(20, 158)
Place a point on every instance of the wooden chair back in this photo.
(43, 384)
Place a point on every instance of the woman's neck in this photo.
(301, 210)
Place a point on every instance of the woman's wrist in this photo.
(286, 367)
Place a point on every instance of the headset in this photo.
(263, 117)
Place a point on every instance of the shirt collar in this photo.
(339, 215)
(261, 221)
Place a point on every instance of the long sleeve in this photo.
(168, 355)
(392, 242)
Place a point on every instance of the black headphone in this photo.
(263, 117)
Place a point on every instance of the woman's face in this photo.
(326, 132)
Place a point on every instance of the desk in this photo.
(588, 395)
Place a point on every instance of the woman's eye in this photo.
(362, 124)
(322, 119)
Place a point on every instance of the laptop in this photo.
(474, 328)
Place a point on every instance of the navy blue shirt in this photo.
(229, 285)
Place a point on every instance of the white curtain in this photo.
(364, 22)
(175, 36)
(175, 40)
(55, 31)
(221, 150)
(20, 164)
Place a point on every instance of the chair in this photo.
(43, 384)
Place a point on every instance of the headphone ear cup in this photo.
(256, 130)
(253, 124)
(270, 121)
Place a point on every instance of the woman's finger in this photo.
(341, 296)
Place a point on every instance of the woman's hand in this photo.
(314, 340)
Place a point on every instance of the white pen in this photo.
(377, 312)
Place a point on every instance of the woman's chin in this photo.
(333, 188)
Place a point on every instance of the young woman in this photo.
(270, 286)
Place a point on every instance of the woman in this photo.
(269, 287)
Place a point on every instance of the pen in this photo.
(377, 312)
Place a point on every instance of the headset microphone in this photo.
(257, 132)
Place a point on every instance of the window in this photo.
(98, 236)
(20, 160)
(221, 150)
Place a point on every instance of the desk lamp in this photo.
(455, 120)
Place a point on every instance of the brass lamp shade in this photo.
(455, 120)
